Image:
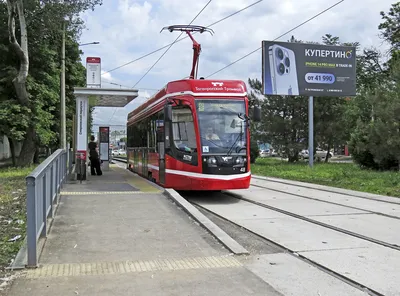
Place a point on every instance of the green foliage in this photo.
(375, 143)
(391, 26)
(342, 175)
(44, 25)
(14, 119)
(254, 151)
(13, 209)
(283, 123)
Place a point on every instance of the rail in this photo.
(43, 189)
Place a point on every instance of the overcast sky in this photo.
(129, 29)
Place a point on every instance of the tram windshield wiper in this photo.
(239, 136)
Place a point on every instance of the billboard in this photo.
(290, 68)
(93, 72)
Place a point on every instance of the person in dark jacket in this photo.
(95, 168)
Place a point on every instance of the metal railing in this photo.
(43, 189)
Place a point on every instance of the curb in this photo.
(367, 195)
(221, 235)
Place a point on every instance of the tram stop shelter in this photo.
(87, 97)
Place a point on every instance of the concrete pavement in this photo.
(117, 234)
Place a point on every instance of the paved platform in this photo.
(118, 234)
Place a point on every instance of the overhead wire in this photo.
(161, 48)
(303, 23)
(205, 6)
(125, 86)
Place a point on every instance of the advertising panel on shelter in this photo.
(104, 142)
(81, 127)
(291, 68)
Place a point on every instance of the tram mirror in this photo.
(168, 112)
(257, 114)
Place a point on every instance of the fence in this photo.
(43, 188)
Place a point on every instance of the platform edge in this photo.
(221, 235)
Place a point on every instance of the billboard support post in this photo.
(311, 131)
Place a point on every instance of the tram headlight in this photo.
(240, 160)
(212, 160)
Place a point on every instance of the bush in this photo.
(254, 152)
(368, 158)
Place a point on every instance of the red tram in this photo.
(193, 134)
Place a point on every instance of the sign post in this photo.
(93, 72)
(300, 69)
(104, 144)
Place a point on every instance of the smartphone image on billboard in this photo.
(283, 71)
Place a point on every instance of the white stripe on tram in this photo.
(199, 175)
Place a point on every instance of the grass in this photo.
(342, 175)
(12, 212)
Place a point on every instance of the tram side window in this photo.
(159, 125)
(130, 137)
(183, 129)
(134, 133)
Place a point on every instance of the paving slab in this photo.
(379, 206)
(263, 194)
(100, 186)
(293, 233)
(302, 206)
(374, 226)
(375, 267)
(132, 243)
(362, 222)
(304, 279)
(200, 282)
(365, 262)
(123, 227)
(235, 208)
(352, 193)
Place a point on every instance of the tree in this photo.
(330, 112)
(375, 140)
(15, 8)
(391, 32)
(284, 121)
(391, 27)
(375, 143)
(37, 96)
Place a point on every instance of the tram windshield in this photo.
(222, 126)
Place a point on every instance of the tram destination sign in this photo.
(308, 69)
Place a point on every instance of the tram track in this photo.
(310, 220)
(290, 251)
(298, 184)
(326, 225)
(331, 202)
(281, 246)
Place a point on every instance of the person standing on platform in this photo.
(95, 168)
